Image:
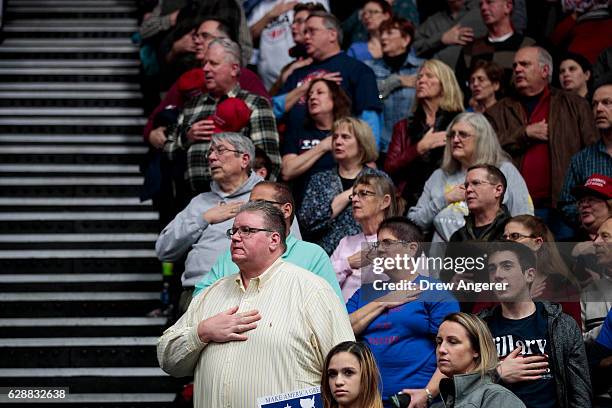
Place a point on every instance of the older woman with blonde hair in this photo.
(467, 356)
(417, 143)
(373, 200)
(470, 140)
(325, 216)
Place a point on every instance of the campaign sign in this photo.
(306, 398)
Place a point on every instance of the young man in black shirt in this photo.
(543, 356)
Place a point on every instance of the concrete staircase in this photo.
(77, 265)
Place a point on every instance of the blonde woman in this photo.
(325, 216)
(417, 143)
(466, 355)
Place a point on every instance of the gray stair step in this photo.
(98, 380)
(55, 8)
(97, 139)
(69, 86)
(68, 48)
(81, 326)
(104, 351)
(83, 149)
(80, 278)
(81, 23)
(80, 265)
(123, 111)
(77, 296)
(63, 121)
(79, 342)
(73, 201)
(68, 168)
(69, 71)
(70, 95)
(77, 254)
(38, 238)
(25, 27)
(84, 372)
(78, 303)
(71, 2)
(70, 181)
(106, 398)
(82, 321)
(75, 216)
(67, 63)
(95, 42)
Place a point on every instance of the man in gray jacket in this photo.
(543, 357)
(199, 230)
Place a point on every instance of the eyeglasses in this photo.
(376, 247)
(361, 194)
(388, 243)
(268, 201)
(220, 151)
(203, 36)
(589, 200)
(515, 236)
(371, 12)
(314, 30)
(244, 231)
(477, 183)
(461, 134)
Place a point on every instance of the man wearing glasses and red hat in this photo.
(595, 212)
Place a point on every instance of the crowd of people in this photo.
(294, 144)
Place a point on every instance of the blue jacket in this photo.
(397, 101)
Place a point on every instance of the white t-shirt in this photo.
(275, 40)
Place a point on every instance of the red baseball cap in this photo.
(231, 115)
(597, 185)
(191, 83)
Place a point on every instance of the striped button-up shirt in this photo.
(302, 319)
(261, 130)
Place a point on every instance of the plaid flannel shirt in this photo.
(261, 130)
(588, 161)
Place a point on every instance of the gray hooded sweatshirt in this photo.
(189, 232)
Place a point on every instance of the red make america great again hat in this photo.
(231, 115)
(597, 185)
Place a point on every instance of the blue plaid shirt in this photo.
(588, 161)
(397, 105)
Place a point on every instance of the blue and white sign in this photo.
(306, 398)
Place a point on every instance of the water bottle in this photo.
(165, 294)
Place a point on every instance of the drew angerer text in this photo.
(450, 286)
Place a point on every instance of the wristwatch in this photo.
(430, 397)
